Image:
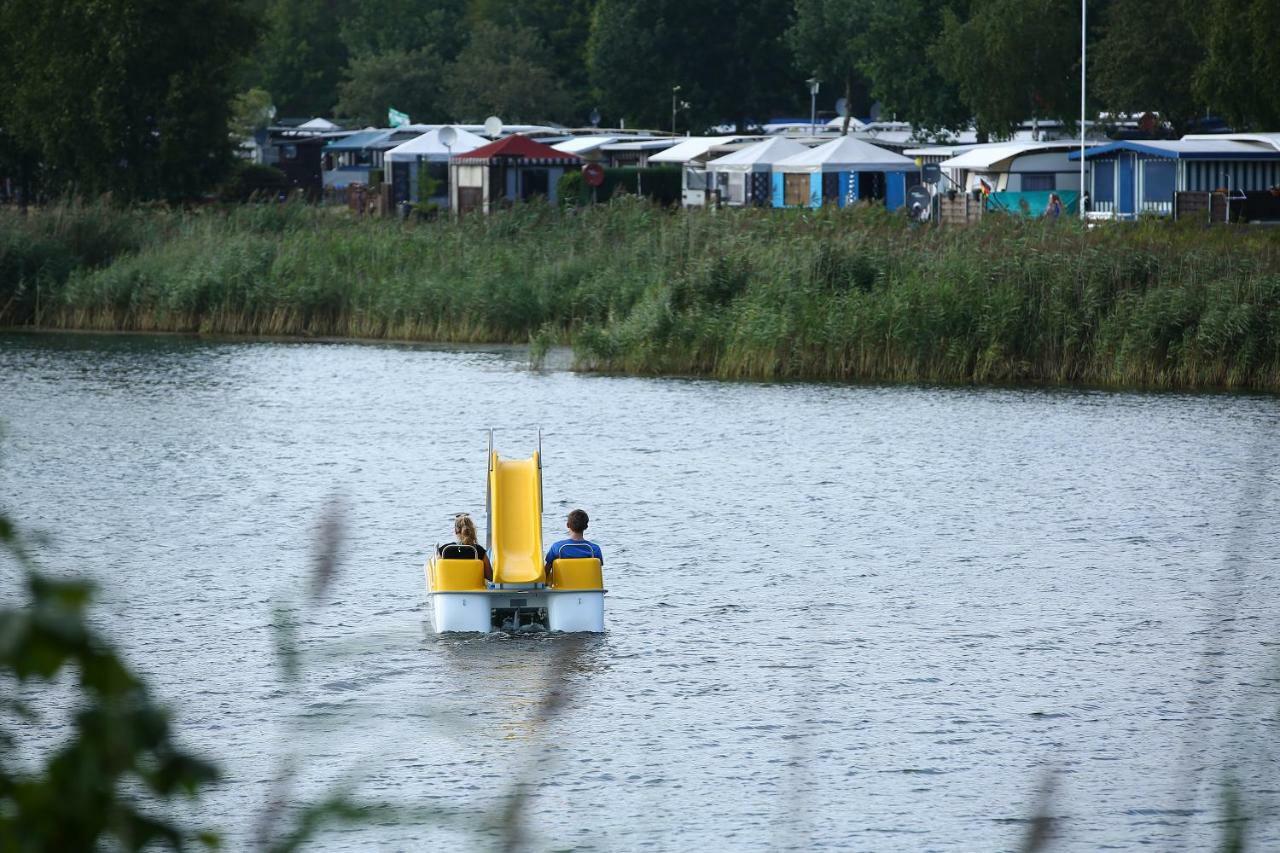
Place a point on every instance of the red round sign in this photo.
(593, 174)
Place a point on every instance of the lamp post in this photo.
(1084, 37)
(675, 91)
(814, 83)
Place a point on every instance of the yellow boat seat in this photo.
(456, 575)
(577, 573)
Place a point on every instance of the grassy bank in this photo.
(762, 294)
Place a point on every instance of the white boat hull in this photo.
(570, 611)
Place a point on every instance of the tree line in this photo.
(132, 95)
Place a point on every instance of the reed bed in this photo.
(830, 294)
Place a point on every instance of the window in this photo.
(1104, 181)
(1157, 181)
(534, 182)
(695, 179)
(1038, 182)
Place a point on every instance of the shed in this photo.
(743, 175)
(406, 161)
(1132, 177)
(843, 171)
(515, 168)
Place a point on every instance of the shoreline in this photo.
(522, 350)
(848, 295)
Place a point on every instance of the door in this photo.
(796, 189)
(895, 190)
(1124, 201)
(400, 181)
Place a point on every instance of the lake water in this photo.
(840, 618)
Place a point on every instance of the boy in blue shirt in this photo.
(575, 545)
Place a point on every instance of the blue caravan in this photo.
(1133, 178)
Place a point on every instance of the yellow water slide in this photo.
(515, 519)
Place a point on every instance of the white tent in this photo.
(429, 147)
(691, 148)
(757, 158)
(742, 176)
(846, 154)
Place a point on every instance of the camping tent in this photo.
(405, 161)
(745, 172)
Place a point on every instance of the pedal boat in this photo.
(521, 596)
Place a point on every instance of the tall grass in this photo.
(830, 294)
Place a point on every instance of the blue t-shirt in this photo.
(573, 548)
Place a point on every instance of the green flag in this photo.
(395, 118)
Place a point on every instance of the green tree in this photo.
(127, 96)
(564, 27)
(372, 27)
(824, 39)
(630, 78)
(1242, 62)
(1012, 60)
(406, 80)
(729, 57)
(903, 74)
(302, 55)
(1147, 57)
(506, 72)
(251, 111)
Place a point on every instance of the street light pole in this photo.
(675, 90)
(813, 82)
(1084, 37)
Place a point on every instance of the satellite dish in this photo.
(842, 107)
(875, 111)
(931, 173)
(448, 136)
(919, 203)
(492, 126)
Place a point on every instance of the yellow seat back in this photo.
(456, 575)
(577, 573)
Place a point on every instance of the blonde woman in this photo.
(465, 546)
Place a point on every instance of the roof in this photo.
(1187, 149)
(378, 138)
(518, 148)
(357, 141)
(321, 124)
(763, 154)
(693, 147)
(996, 156)
(1264, 139)
(644, 145)
(583, 144)
(429, 147)
(842, 154)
